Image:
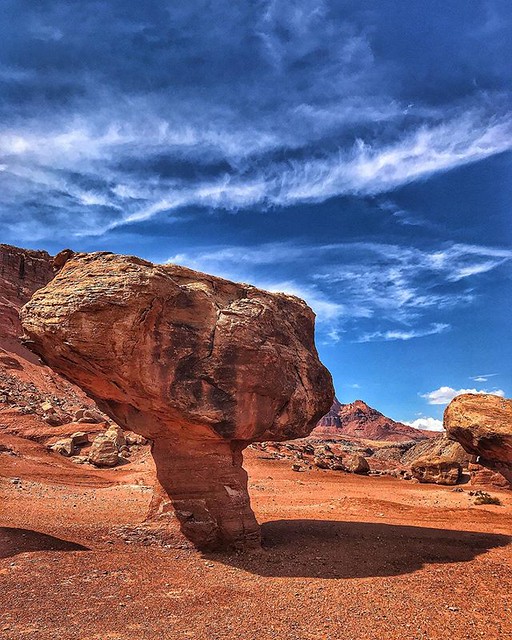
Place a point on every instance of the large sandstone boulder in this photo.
(199, 365)
(355, 463)
(483, 426)
(437, 470)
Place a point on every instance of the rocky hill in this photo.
(359, 420)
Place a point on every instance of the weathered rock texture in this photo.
(22, 272)
(483, 426)
(34, 400)
(435, 448)
(437, 470)
(359, 420)
(200, 365)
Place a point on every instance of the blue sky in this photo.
(355, 153)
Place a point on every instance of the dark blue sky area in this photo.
(354, 153)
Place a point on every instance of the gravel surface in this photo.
(345, 557)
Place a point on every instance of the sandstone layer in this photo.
(22, 272)
(483, 426)
(199, 365)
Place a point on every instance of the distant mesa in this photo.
(199, 365)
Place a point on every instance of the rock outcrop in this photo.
(22, 272)
(435, 448)
(482, 424)
(357, 419)
(437, 471)
(199, 365)
(34, 400)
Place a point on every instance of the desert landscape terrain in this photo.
(369, 528)
(343, 556)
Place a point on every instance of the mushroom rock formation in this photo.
(199, 365)
(482, 424)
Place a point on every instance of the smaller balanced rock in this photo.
(482, 424)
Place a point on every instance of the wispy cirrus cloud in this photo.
(396, 334)
(483, 377)
(296, 105)
(444, 395)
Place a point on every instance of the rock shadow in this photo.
(14, 541)
(333, 549)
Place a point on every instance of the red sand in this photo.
(345, 557)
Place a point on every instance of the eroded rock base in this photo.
(203, 486)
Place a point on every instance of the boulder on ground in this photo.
(134, 438)
(88, 416)
(65, 447)
(79, 438)
(116, 434)
(320, 462)
(437, 471)
(103, 452)
(354, 463)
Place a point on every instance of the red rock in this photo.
(357, 419)
(22, 272)
(199, 365)
(354, 463)
(483, 426)
(437, 470)
(26, 386)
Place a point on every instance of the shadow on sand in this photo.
(332, 549)
(14, 541)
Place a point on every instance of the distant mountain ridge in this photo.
(359, 420)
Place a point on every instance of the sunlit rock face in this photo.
(200, 365)
(483, 426)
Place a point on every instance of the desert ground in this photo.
(344, 556)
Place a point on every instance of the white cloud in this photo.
(395, 334)
(429, 424)
(444, 395)
(95, 144)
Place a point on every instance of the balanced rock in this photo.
(197, 364)
(483, 426)
(103, 452)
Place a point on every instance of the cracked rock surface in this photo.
(199, 365)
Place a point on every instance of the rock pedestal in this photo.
(197, 364)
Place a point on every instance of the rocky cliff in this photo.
(357, 419)
(200, 365)
(22, 272)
